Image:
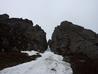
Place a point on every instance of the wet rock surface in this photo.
(77, 45)
(18, 34)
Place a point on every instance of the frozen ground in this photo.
(49, 63)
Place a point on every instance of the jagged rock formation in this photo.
(18, 34)
(78, 45)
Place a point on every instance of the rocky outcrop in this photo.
(78, 45)
(18, 34)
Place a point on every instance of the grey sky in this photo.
(49, 13)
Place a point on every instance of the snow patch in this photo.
(49, 63)
(30, 53)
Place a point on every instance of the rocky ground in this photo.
(14, 58)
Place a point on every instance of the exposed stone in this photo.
(18, 34)
(4, 16)
(69, 38)
(15, 58)
(78, 44)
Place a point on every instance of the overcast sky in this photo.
(49, 13)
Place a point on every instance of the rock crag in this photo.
(18, 34)
(77, 45)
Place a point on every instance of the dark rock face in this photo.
(78, 44)
(18, 34)
(11, 59)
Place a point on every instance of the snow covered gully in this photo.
(49, 63)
